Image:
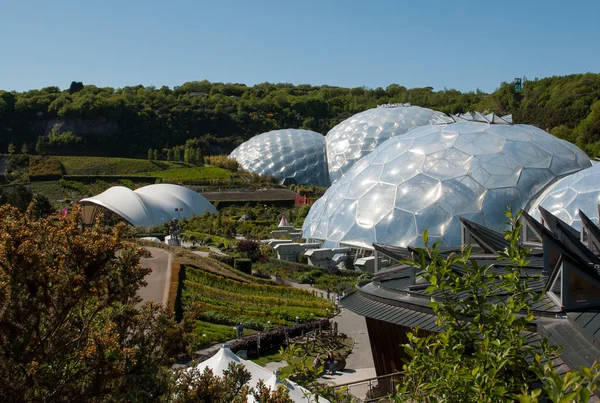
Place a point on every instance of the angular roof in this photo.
(153, 204)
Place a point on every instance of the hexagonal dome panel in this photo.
(360, 134)
(580, 191)
(290, 155)
(473, 167)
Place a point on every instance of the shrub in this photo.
(222, 161)
(243, 265)
(43, 167)
(250, 248)
(273, 339)
(228, 260)
(316, 273)
(306, 278)
(261, 274)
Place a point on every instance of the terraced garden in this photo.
(258, 306)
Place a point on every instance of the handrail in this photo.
(368, 379)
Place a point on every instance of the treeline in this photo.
(129, 121)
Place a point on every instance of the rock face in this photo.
(83, 127)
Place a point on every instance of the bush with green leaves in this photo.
(482, 354)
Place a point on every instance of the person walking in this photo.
(331, 360)
(317, 363)
(240, 330)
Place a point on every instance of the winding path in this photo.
(159, 279)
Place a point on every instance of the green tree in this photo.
(482, 354)
(71, 327)
(41, 146)
(40, 206)
(169, 154)
(24, 148)
(75, 87)
(155, 154)
(18, 196)
(150, 154)
(177, 155)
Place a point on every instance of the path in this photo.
(159, 279)
(359, 364)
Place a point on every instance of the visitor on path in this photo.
(331, 360)
(240, 330)
(317, 363)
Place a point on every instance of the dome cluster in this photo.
(291, 156)
(150, 205)
(472, 166)
(397, 170)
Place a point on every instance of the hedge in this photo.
(93, 178)
(219, 204)
(243, 265)
(273, 339)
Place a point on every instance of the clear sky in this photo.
(460, 44)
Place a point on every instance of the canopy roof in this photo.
(151, 205)
(219, 362)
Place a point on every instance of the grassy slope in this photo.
(191, 174)
(114, 166)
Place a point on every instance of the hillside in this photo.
(131, 121)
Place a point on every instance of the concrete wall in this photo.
(322, 257)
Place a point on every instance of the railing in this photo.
(375, 389)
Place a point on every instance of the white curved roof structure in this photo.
(149, 205)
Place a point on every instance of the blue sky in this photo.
(462, 44)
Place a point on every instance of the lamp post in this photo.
(179, 210)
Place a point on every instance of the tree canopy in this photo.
(72, 327)
(128, 121)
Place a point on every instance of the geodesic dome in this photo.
(290, 155)
(564, 199)
(428, 178)
(360, 134)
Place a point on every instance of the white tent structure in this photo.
(219, 362)
(297, 392)
(148, 205)
(283, 222)
(151, 239)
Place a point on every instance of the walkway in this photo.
(159, 279)
(359, 364)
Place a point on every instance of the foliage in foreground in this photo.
(486, 358)
(197, 386)
(71, 327)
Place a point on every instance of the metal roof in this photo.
(361, 305)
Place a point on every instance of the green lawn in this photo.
(210, 333)
(191, 174)
(114, 166)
